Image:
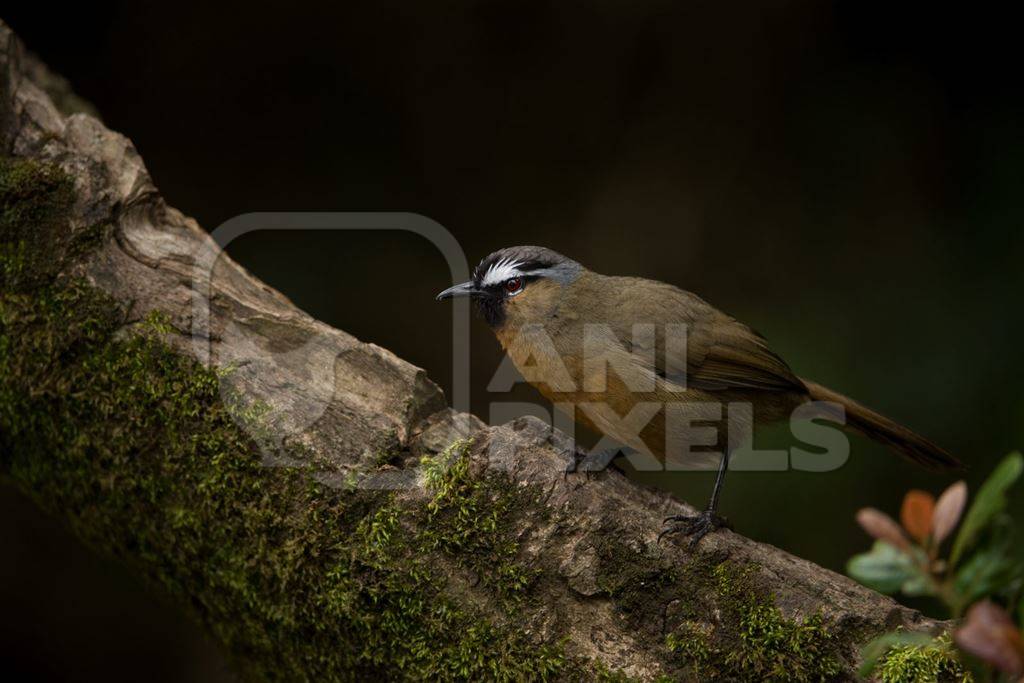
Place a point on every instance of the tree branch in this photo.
(308, 496)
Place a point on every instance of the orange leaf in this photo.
(881, 526)
(916, 513)
(988, 633)
(948, 510)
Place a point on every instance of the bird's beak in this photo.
(465, 289)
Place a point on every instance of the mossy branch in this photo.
(309, 498)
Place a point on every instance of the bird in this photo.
(605, 347)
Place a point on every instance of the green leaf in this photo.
(875, 649)
(983, 574)
(991, 569)
(885, 568)
(990, 501)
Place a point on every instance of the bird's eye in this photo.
(513, 285)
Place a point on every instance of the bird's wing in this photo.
(720, 353)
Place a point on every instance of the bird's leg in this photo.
(699, 525)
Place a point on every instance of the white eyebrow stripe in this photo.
(500, 271)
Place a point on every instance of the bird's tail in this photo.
(883, 430)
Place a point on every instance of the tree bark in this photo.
(343, 522)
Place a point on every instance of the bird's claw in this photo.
(695, 526)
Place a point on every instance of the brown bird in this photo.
(639, 361)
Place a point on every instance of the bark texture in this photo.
(309, 497)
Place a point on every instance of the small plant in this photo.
(979, 578)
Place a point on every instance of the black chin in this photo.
(492, 308)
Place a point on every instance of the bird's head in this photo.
(518, 285)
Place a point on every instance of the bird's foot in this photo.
(695, 526)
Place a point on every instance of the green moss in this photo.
(402, 615)
(471, 518)
(134, 445)
(754, 640)
(383, 457)
(34, 232)
(32, 194)
(719, 620)
(936, 661)
(692, 641)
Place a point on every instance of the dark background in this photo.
(844, 177)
